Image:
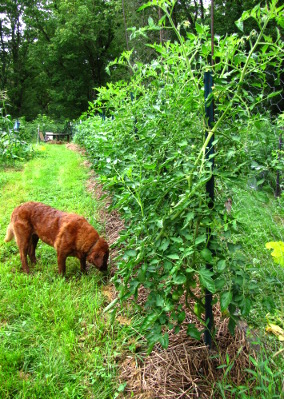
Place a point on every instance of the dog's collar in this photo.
(90, 250)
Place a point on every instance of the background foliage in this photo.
(53, 54)
(14, 144)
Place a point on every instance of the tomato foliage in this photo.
(150, 153)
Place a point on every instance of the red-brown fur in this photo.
(68, 233)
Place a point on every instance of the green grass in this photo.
(261, 219)
(55, 342)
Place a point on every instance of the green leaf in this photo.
(245, 306)
(150, 166)
(121, 387)
(165, 244)
(225, 300)
(164, 340)
(188, 251)
(160, 301)
(130, 253)
(221, 265)
(219, 283)
(181, 317)
(274, 93)
(149, 4)
(151, 21)
(205, 277)
(206, 254)
(182, 143)
(200, 239)
(188, 218)
(173, 256)
(232, 325)
(198, 309)
(193, 332)
(239, 23)
(199, 28)
(160, 223)
(179, 279)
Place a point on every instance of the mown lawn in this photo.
(261, 220)
(55, 341)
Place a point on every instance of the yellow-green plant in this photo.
(278, 251)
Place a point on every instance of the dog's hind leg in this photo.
(22, 234)
(32, 247)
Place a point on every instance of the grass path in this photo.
(54, 340)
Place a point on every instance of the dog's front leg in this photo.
(61, 260)
(83, 264)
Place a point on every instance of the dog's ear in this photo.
(99, 255)
(102, 261)
(99, 259)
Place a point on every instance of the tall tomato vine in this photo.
(151, 156)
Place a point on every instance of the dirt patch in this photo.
(24, 376)
(278, 219)
(110, 219)
(109, 292)
(55, 142)
(75, 147)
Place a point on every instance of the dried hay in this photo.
(187, 368)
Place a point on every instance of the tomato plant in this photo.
(150, 152)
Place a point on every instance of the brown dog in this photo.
(68, 233)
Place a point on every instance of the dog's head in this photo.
(99, 254)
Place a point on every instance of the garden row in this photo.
(150, 152)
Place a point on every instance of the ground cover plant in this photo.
(150, 152)
(13, 143)
(54, 339)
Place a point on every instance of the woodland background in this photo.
(54, 53)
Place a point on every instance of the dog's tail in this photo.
(9, 233)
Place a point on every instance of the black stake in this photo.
(278, 184)
(209, 111)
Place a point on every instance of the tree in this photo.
(55, 53)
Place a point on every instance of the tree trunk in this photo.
(125, 24)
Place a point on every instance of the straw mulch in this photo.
(187, 368)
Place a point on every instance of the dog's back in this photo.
(36, 218)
